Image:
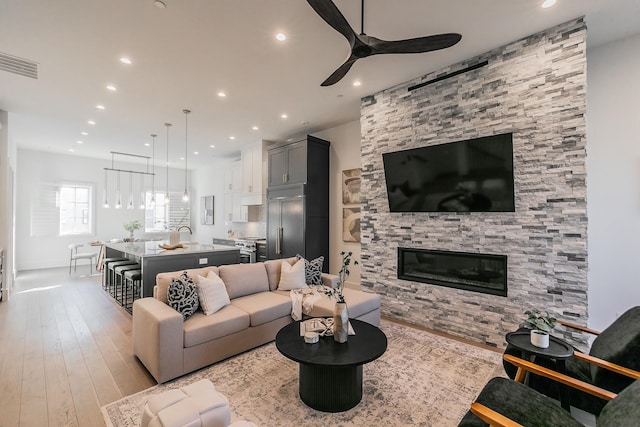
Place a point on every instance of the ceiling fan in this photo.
(363, 45)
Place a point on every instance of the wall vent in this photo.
(20, 66)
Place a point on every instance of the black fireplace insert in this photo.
(484, 273)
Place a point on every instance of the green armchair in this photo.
(619, 344)
(506, 403)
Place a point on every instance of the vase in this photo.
(539, 338)
(340, 322)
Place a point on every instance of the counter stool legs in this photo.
(132, 280)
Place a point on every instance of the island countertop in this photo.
(153, 259)
(152, 248)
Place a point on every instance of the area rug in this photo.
(422, 379)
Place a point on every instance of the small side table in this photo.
(558, 350)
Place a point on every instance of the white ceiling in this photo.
(184, 54)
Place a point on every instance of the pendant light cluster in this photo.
(152, 201)
(118, 172)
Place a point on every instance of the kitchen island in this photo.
(153, 259)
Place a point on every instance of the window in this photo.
(74, 202)
(165, 216)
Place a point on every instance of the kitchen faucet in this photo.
(185, 226)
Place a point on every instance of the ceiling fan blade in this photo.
(340, 72)
(328, 11)
(417, 45)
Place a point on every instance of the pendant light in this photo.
(185, 195)
(152, 202)
(141, 206)
(166, 195)
(118, 195)
(130, 202)
(105, 202)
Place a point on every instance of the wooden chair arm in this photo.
(561, 378)
(493, 418)
(578, 327)
(607, 365)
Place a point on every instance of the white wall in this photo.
(35, 167)
(344, 154)
(613, 178)
(7, 198)
(209, 181)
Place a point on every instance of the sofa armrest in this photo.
(158, 338)
(330, 280)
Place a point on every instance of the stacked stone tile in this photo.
(536, 89)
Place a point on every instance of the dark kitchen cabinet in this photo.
(298, 200)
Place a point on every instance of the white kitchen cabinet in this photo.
(234, 211)
(253, 187)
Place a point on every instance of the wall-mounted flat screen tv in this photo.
(474, 175)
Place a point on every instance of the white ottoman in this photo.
(196, 405)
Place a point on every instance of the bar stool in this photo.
(119, 280)
(133, 280)
(105, 269)
(111, 279)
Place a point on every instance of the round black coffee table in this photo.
(331, 373)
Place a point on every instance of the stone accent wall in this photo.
(536, 89)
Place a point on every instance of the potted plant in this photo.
(340, 314)
(131, 227)
(541, 324)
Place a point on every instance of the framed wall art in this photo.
(351, 224)
(351, 186)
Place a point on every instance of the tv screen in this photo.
(474, 175)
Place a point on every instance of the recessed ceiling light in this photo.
(281, 37)
(232, 137)
(181, 158)
(91, 122)
(221, 94)
(84, 133)
(212, 146)
(357, 83)
(72, 150)
(112, 88)
(125, 60)
(159, 4)
(146, 144)
(100, 107)
(548, 3)
(196, 153)
(284, 116)
(80, 142)
(255, 127)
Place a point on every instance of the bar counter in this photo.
(153, 259)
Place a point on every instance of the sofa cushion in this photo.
(244, 279)
(264, 306)
(200, 328)
(212, 294)
(358, 304)
(312, 270)
(182, 295)
(292, 276)
(163, 280)
(273, 271)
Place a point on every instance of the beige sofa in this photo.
(170, 347)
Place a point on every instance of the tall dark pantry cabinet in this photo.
(298, 200)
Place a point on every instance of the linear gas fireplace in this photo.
(485, 273)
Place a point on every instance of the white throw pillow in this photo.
(292, 276)
(212, 293)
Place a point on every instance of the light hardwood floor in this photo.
(65, 350)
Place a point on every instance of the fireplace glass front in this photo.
(485, 273)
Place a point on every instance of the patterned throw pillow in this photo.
(312, 270)
(182, 296)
